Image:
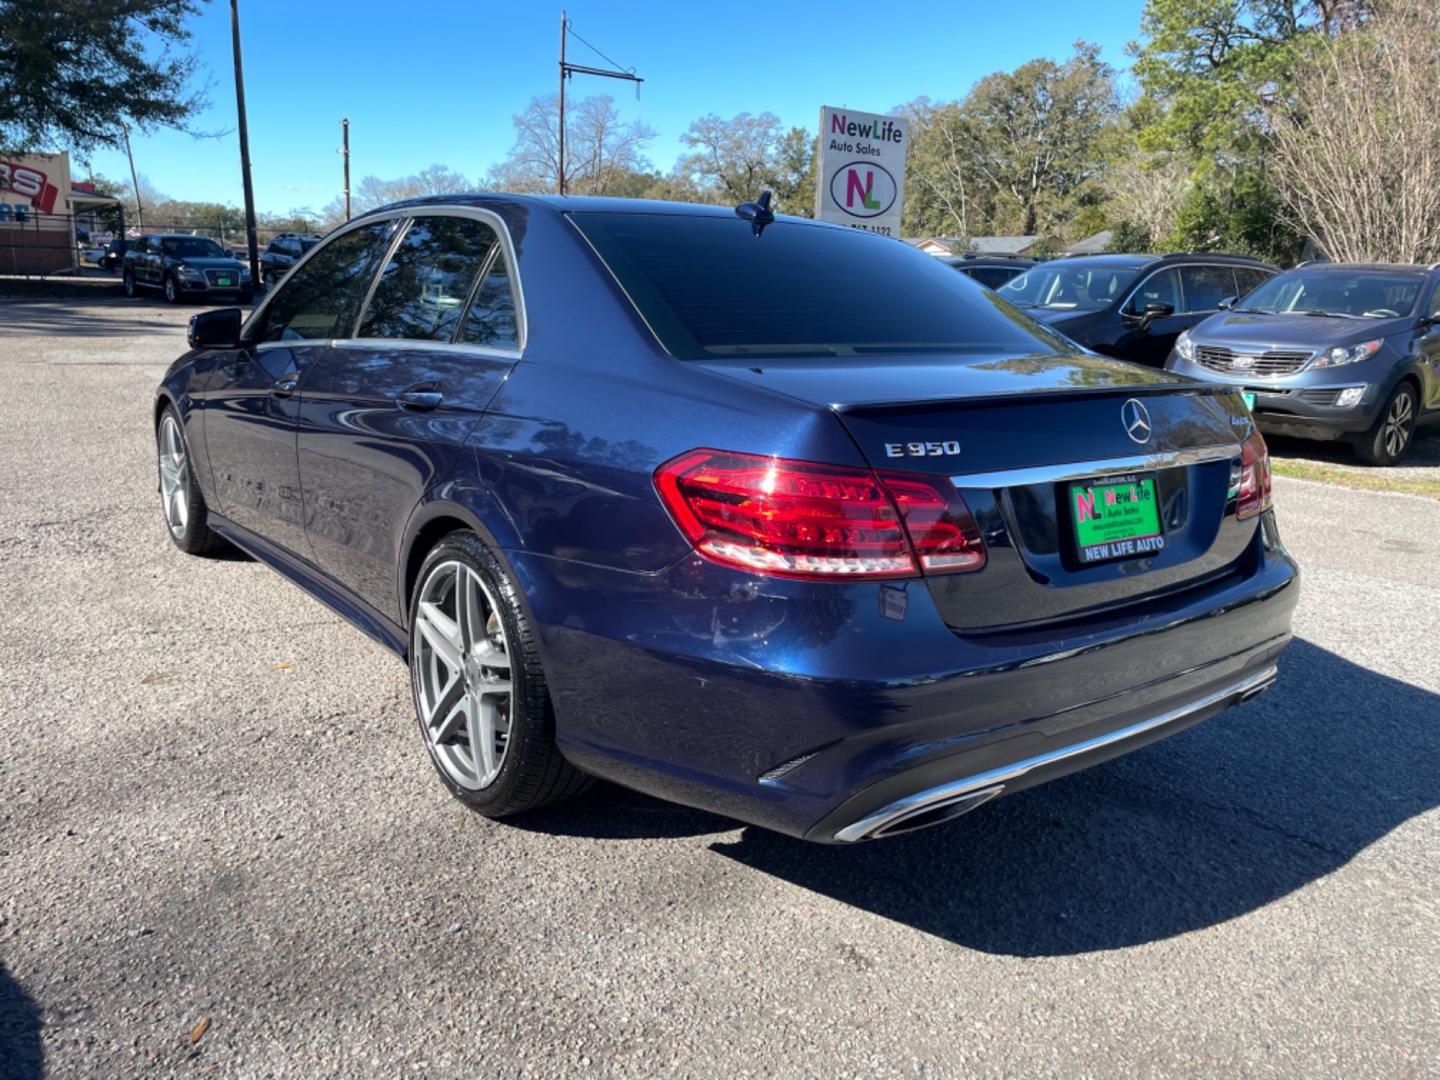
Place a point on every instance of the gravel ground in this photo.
(223, 851)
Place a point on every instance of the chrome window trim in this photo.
(1084, 470)
(391, 344)
(913, 804)
(489, 217)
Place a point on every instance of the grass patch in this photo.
(1360, 479)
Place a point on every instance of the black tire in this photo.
(533, 773)
(127, 281)
(1390, 437)
(172, 290)
(195, 537)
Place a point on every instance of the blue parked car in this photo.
(1344, 351)
(757, 514)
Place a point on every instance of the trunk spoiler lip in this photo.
(1197, 388)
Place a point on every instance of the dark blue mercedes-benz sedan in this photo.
(761, 515)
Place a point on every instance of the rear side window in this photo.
(1249, 277)
(320, 299)
(491, 319)
(708, 286)
(1206, 286)
(422, 291)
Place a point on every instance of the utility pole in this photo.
(560, 177)
(134, 180)
(345, 152)
(567, 69)
(244, 146)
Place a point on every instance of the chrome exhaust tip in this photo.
(909, 815)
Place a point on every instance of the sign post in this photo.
(861, 179)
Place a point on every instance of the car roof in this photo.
(1364, 268)
(579, 204)
(1176, 258)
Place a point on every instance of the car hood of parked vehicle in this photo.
(841, 384)
(1255, 330)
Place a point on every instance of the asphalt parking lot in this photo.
(223, 851)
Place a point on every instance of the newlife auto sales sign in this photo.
(861, 178)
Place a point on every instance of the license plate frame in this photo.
(1129, 526)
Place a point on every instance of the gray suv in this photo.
(1329, 351)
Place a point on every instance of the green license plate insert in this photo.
(1115, 517)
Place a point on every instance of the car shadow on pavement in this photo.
(21, 1057)
(65, 319)
(1218, 821)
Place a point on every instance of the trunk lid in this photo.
(1016, 435)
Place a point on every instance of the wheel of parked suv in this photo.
(127, 279)
(1389, 437)
(480, 695)
(172, 290)
(180, 498)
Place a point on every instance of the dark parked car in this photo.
(1330, 351)
(1132, 307)
(992, 271)
(182, 267)
(282, 253)
(774, 518)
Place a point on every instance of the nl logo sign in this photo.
(862, 170)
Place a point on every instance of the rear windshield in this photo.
(709, 287)
(1364, 295)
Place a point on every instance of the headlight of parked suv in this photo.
(1184, 347)
(190, 273)
(244, 274)
(1348, 354)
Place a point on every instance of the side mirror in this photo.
(215, 329)
(1155, 310)
(1227, 303)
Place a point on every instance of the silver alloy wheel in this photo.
(460, 662)
(174, 480)
(1397, 425)
(129, 281)
(171, 292)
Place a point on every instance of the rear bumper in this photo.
(806, 708)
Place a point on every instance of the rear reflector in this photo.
(1254, 476)
(798, 519)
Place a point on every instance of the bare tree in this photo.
(1357, 147)
(1148, 191)
(602, 152)
(436, 180)
(736, 159)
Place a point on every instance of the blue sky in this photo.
(439, 81)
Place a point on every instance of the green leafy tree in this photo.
(73, 71)
(734, 159)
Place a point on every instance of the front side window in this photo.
(319, 300)
(709, 287)
(1161, 288)
(424, 286)
(1319, 291)
(1069, 286)
(1206, 286)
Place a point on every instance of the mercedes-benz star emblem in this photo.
(1136, 419)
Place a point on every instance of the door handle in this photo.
(285, 385)
(420, 400)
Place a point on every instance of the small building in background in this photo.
(40, 213)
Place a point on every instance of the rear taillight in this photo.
(797, 519)
(1254, 493)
